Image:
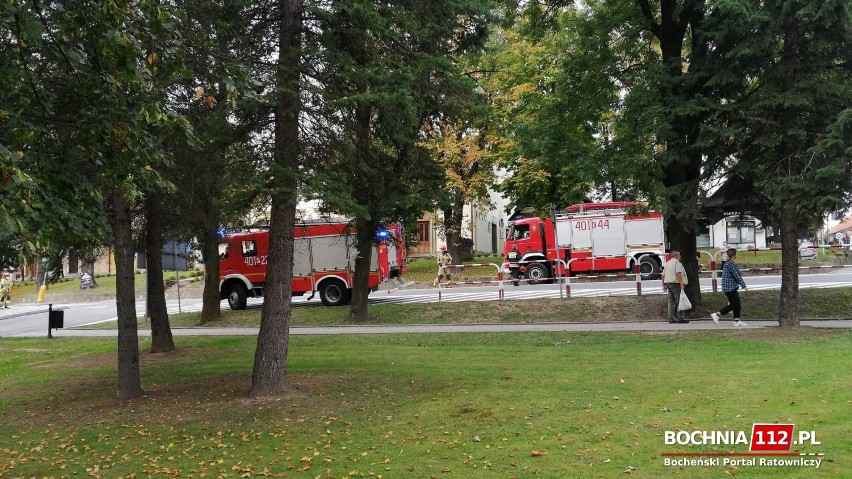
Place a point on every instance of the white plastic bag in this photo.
(683, 304)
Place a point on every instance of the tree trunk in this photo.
(682, 159)
(269, 375)
(453, 218)
(682, 240)
(161, 331)
(450, 232)
(41, 275)
(359, 308)
(211, 300)
(788, 308)
(129, 379)
(88, 266)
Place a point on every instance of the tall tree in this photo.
(387, 71)
(225, 98)
(270, 359)
(86, 113)
(785, 69)
(465, 152)
(644, 97)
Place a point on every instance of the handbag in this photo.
(683, 303)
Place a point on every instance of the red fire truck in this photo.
(600, 237)
(324, 253)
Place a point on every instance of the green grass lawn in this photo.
(106, 284)
(539, 405)
(764, 258)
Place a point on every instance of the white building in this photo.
(739, 232)
(484, 224)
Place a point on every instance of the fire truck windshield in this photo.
(518, 232)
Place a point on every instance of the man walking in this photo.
(674, 279)
(732, 280)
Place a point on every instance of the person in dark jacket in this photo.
(732, 280)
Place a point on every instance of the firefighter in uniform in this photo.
(514, 266)
(5, 292)
(444, 261)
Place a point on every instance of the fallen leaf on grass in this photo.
(537, 453)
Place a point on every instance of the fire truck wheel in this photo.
(333, 292)
(649, 268)
(237, 296)
(536, 273)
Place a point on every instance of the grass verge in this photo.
(106, 284)
(544, 405)
(834, 303)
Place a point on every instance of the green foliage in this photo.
(387, 72)
(591, 108)
(79, 116)
(785, 69)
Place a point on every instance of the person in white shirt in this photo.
(674, 279)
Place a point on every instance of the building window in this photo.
(740, 231)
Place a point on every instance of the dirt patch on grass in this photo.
(221, 397)
(92, 398)
(547, 310)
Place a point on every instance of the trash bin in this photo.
(56, 319)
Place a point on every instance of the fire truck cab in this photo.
(324, 253)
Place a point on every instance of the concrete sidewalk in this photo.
(463, 328)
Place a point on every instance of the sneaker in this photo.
(715, 317)
(739, 324)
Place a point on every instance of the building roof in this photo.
(843, 226)
(738, 196)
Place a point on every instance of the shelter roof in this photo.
(738, 196)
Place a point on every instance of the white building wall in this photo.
(479, 222)
(719, 233)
